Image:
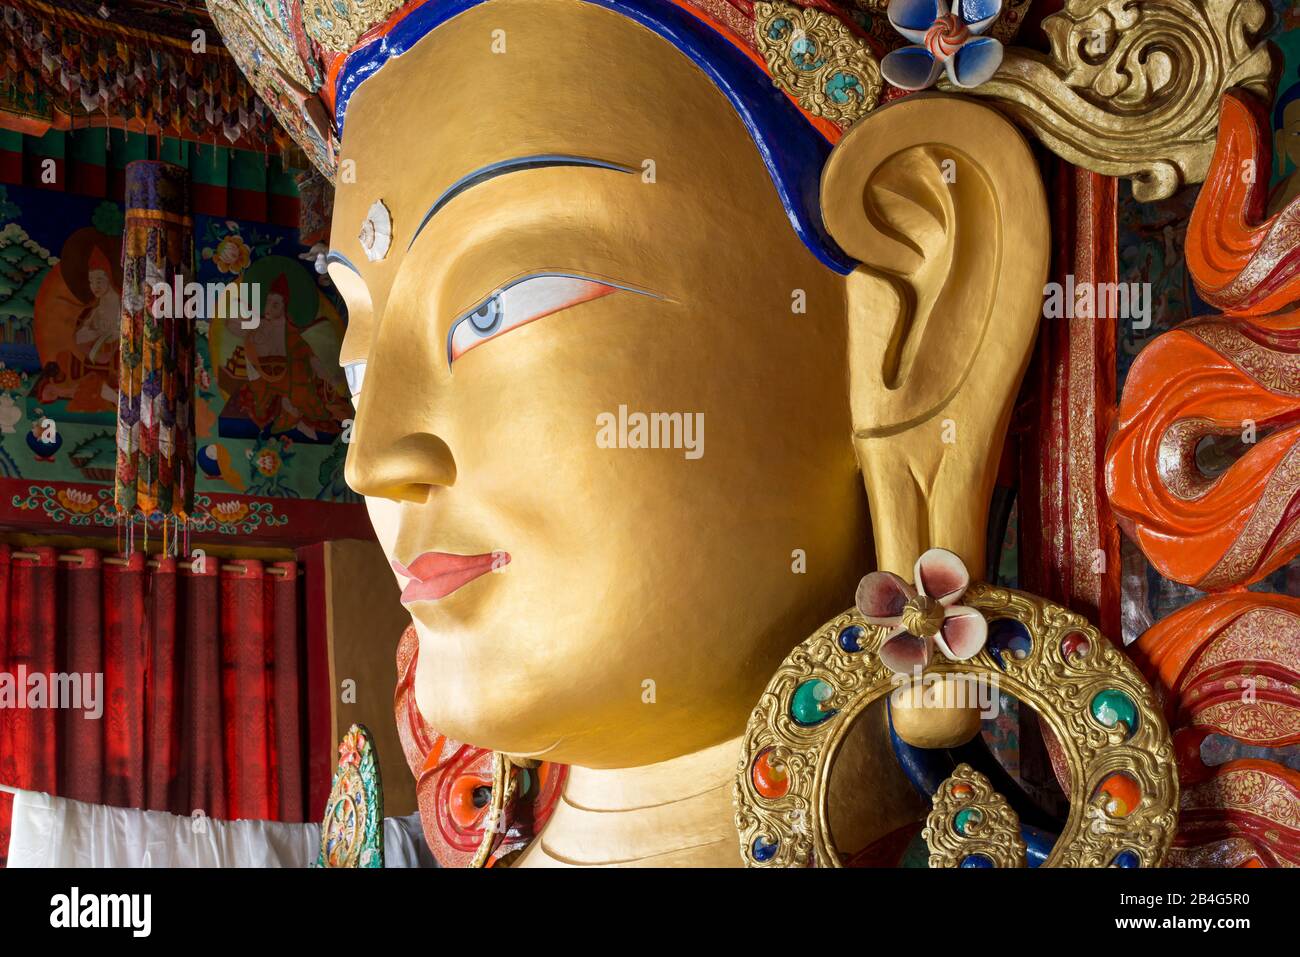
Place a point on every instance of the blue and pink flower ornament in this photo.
(948, 38)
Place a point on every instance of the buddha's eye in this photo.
(355, 373)
(521, 302)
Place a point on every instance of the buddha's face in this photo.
(621, 605)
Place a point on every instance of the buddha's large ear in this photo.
(941, 201)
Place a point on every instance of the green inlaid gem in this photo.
(806, 705)
(1112, 706)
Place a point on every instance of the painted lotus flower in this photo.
(948, 39)
(229, 512)
(231, 255)
(76, 501)
(267, 462)
(920, 618)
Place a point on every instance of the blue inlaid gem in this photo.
(763, 849)
(844, 87)
(806, 704)
(1009, 640)
(1126, 858)
(851, 638)
(976, 860)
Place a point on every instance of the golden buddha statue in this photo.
(655, 351)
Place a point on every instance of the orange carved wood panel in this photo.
(1227, 664)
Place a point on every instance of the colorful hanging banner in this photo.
(155, 409)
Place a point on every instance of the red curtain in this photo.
(202, 683)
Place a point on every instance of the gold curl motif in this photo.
(1132, 87)
(1069, 665)
(969, 817)
(815, 58)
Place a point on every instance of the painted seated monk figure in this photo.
(552, 215)
(85, 373)
(273, 377)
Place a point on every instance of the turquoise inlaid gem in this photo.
(806, 705)
(1009, 640)
(763, 849)
(803, 53)
(1112, 707)
(778, 29)
(967, 819)
(976, 860)
(843, 87)
(851, 638)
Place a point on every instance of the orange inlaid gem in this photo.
(770, 779)
(1122, 794)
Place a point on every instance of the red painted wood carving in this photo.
(1211, 377)
(1222, 376)
(1242, 263)
(1230, 665)
(453, 783)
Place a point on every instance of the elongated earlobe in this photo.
(941, 201)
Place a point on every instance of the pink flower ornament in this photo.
(920, 618)
(349, 750)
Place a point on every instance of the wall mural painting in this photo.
(271, 402)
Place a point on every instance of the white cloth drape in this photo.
(50, 831)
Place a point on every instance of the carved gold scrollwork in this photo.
(971, 819)
(815, 58)
(1132, 88)
(1123, 783)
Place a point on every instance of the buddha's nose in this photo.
(387, 460)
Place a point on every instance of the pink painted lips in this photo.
(435, 575)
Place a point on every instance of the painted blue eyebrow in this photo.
(792, 149)
(503, 167)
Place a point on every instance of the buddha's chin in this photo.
(468, 688)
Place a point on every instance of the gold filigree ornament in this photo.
(1123, 783)
(971, 820)
(1132, 87)
(337, 24)
(815, 58)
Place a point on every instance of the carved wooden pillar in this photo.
(1069, 544)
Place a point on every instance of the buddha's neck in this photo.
(672, 814)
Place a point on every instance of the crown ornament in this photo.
(1092, 100)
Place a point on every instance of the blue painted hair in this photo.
(793, 150)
